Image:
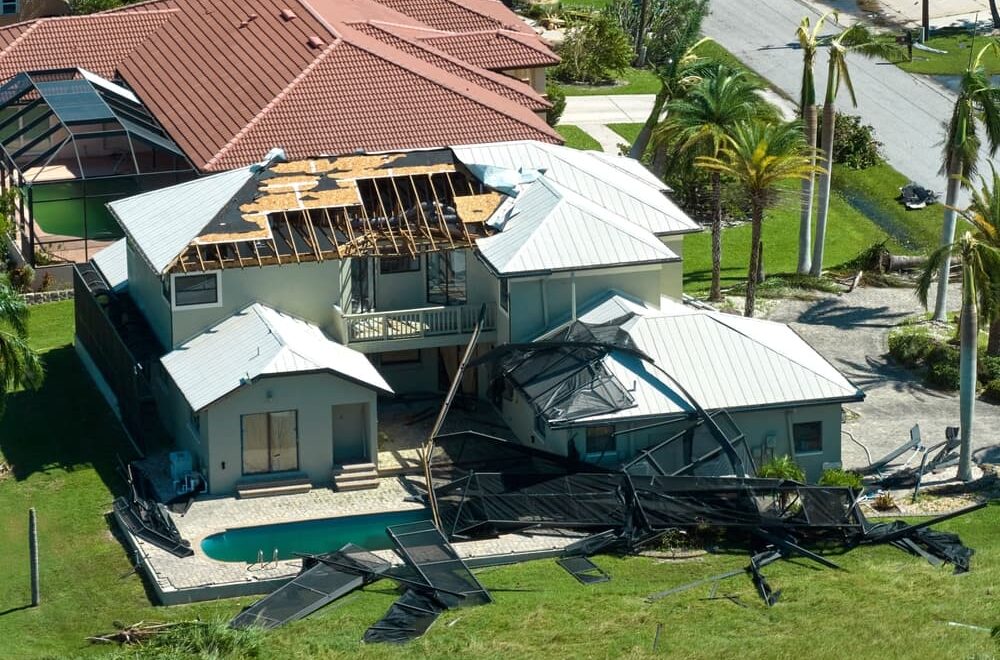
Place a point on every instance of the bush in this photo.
(557, 97)
(838, 477)
(884, 502)
(911, 347)
(854, 143)
(782, 467)
(989, 368)
(593, 52)
(991, 392)
(943, 375)
(21, 278)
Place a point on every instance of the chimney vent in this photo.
(315, 42)
(287, 14)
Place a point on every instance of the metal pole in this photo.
(926, 22)
(33, 549)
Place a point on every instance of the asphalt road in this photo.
(908, 112)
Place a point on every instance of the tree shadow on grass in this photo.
(64, 425)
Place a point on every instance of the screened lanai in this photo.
(71, 141)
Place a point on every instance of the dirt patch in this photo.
(6, 470)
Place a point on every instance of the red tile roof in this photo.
(97, 42)
(229, 79)
(465, 16)
(359, 83)
(497, 51)
(497, 83)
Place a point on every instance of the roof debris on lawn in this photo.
(227, 79)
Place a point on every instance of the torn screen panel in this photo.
(584, 570)
(408, 618)
(425, 549)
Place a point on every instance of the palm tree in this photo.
(983, 215)
(978, 104)
(675, 36)
(980, 266)
(699, 125)
(809, 41)
(19, 364)
(759, 156)
(855, 39)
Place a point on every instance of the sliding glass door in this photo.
(446, 278)
(270, 442)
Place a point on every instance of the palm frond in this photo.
(930, 270)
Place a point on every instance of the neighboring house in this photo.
(224, 80)
(283, 298)
(13, 11)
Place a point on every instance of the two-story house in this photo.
(287, 297)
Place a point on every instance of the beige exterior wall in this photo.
(768, 434)
(308, 291)
(672, 274)
(146, 290)
(535, 77)
(312, 396)
(541, 303)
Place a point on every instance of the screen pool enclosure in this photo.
(609, 511)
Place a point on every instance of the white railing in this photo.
(416, 323)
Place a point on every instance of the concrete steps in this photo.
(359, 476)
(267, 488)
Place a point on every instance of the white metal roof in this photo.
(161, 223)
(724, 361)
(260, 341)
(550, 228)
(615, 187)
(112, 261)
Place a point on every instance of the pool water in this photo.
(308, 536)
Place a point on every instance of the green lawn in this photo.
(631, 81)
(62, 443)
(958, 45)
(712, 50)
(576, 138)
(628, 131)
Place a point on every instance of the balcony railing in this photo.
(416, 323)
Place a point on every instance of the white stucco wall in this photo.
(312, 395)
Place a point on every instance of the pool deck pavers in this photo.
(199, 577)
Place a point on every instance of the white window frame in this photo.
(181, 308)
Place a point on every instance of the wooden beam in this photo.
(256, 253)
(333, 232)
(388, 223)
(201, 262)
(291, 239)
(218, 253)
(440, 218)
(312, 233)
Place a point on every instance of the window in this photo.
(8, 7)
(192, 290)
(601, 440)
(401, 357)
(808, 437)
(446, 278)
(270, 442)
(388, 265)
(505, 294)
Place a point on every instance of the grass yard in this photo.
(62, 442)
(712, 50)
(628, 131)
(958, 45)
(632, 81)
(576, 137)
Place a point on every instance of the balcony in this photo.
(402, 329)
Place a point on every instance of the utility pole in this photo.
(33, 550)
(926, 21)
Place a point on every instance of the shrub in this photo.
(557, 97)
(910, 347)
(943, 375)
(21, 277)
(782, 467)
(884, 502)
(989, 368)
(838, 477)
(593, 52)
(991, 392)
(854, 143)
(47, 281)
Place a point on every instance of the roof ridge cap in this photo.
(376, 22)
(474, 11)
(509, 83)
(587, 205)
(21, 37)
(273, 103)
(130, 8)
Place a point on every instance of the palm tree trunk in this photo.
(993, 343)
(967, 370)
(994, 14)
(825, 177)
(805, 217)
(715, 294)
(642, 140)
(752, 272)
(948, 237)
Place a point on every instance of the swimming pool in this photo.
(309, 536)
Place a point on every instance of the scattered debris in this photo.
(136, 633)
(915, 197)
(5, 469)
